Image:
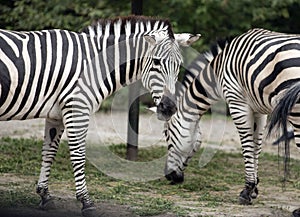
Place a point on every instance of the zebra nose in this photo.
(167, 107)
(156, 100)
(175, 178)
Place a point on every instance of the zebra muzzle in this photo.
(167, 107)
(175, 178)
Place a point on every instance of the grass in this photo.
(208, 186)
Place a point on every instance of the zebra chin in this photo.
(166, 108)
(175, 177)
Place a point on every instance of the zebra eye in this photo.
(156, 61)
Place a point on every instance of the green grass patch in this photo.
(145, 154)
(208, 185)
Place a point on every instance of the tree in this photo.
(212, 18)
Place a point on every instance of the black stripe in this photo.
(283, 85)
(123, 59)
(54, 50)
(110, 62)
(21, 74)
(29, 91)
(279, 66)
(64, 50)
(5, 81)
(6, 47)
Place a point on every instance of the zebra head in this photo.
(183, 139)
(160, 71)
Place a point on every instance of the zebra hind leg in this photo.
(260, 121)
(244, 120)
(53, 132)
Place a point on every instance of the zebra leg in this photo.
(259, 125)
(294, 119)
(243, 119)
(76, 124)
(53, 132)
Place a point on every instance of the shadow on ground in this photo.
(71, 208)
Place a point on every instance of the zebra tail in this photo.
(278, 120)
(289, 136)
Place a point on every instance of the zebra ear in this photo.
(150, 39)
(186, 39)
(156, 37)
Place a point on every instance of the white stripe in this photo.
(38, 65)
(57, 61)
(128, 42)
(117, 29)
(155, 25)
(69, 62)
(13, 74)
(136, 39)
(97, 74)
(86, 38)
(48, 62)
(99, 35)
(106, 57)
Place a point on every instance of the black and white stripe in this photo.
(64, 76)
(254, 73)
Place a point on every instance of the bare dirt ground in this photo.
(108, 128)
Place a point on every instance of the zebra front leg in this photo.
(76, 132)
(53, 132)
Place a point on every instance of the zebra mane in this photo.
(102, 24)
(217, 48)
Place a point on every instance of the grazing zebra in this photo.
(255, 73)
(64, 76)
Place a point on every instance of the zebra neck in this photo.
(122, 60)
(119, 52)
(110, 63)
(201, 94)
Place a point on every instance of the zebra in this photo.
(257, 73)
(64, 76)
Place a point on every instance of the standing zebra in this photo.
(64, 76)
(256, 73)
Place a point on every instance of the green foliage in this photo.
(224, 18)
(212, 18)
(68, 14)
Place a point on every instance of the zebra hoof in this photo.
(47, 203)
(296, 213)
(89, 211)
(244, 201)
(244, 198)
(254, 193)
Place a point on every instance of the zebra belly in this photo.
(41, 109)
